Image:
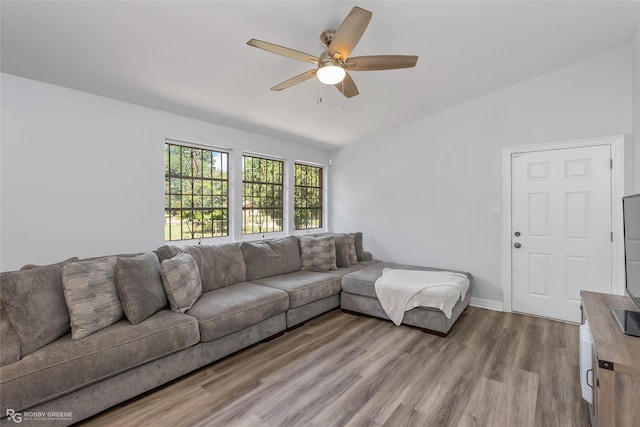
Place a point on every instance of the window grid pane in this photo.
(307, 197)
(262, 195)
(196, 197)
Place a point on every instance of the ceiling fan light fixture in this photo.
(330, 74)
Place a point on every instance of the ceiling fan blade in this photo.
(349, 33)
(295, 80)
(347, 87)
(380, 62)
(284, 51)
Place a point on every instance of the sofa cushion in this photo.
(91, 295)
(181, 281)
(233, 308)
(65, 365)
(343, 271)
(318, 253)
(139, 286)
(342, 250)
(304, 287)
(35, 305)
(267, 258)
(219, 265)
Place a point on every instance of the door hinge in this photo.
(611, 164)
(612, 236)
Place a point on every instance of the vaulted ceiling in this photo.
(191, 57)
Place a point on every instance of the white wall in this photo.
(421, 193)
(82, 175)
(635, 49)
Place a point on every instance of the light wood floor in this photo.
(494, 369)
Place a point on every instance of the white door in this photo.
(561, 229)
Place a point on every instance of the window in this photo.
(307, 211)
(196, 202)
(262, 195)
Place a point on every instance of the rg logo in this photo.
(14, 416)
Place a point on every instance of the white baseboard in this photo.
(487, 303)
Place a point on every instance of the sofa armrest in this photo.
(368, 256)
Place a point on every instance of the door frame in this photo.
(616, 143)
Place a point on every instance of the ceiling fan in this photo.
(334, 64)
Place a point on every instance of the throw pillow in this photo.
(35, 306)
(139, 286)
(353, 256)
(91, 294)
(318, 253)
(181, 280)
(359, 246)
(342, 250)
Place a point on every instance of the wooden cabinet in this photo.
(616, 363)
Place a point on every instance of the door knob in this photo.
(517, 245)
(517, 234)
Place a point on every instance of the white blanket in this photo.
(401, 290)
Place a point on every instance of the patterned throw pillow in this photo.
(318, 253)
(353, 257)
(91, 294)
(181, 281)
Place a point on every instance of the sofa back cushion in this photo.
(219, 265)
(166, 252)
(266, 258)
(35, 306)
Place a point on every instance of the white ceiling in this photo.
(191, 58)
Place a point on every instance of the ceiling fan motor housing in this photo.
(326, 37)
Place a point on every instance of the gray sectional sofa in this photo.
(240, 294)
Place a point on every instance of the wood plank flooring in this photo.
(494, 369)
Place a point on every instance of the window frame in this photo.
(284, 200)
(321, 188)
(226, 180)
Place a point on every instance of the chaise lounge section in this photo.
(359, 297)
